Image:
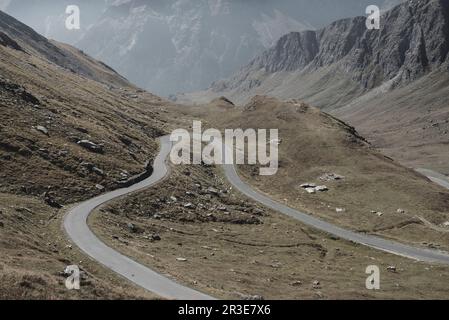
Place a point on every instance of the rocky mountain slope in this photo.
(180, 45)
(25, 39)
(70, 128)
(320, 150)
(59, 111)
(368, 77)
(365, 191)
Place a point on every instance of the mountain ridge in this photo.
(181, 45)
(365, 77)
(359, 51)
(60, 54)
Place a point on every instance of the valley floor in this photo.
(261, 254)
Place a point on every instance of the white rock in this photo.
(380, 214)
(42, 129)
(392, 269)
(311, 190)
(331, 177)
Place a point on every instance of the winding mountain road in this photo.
(360, 238)
(76, 227)
(436, 177)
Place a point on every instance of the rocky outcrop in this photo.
(8, 42)
(413, 40)
(18, 91)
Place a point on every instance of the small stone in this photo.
(99, 187)
(321, 188)
(340, 210)
(181, 259)
(296, 283)
(311, 190)
(51, 202)
(308, 185)
(98, 171)
(401, 211)
(91, 146)
(331, 177)
(258, 212)
(131, 227)
(156, 237)
(174, 199)
(316, 284)
(249, 297)
(392, 269)
(213, 191)
(189, 205)
(42, 129)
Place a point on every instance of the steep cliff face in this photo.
(412, 41)
(392, 83)
(292, 52)
(176, 46)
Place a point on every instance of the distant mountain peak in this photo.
(413, 40)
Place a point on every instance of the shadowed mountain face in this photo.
(181, 45)
(390, 83)
(68, 122)
(70, 129)
(16, 35)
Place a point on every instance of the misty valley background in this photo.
(173, 46)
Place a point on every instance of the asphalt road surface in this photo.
(75, 225)
(436, 177)
(364, 239)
